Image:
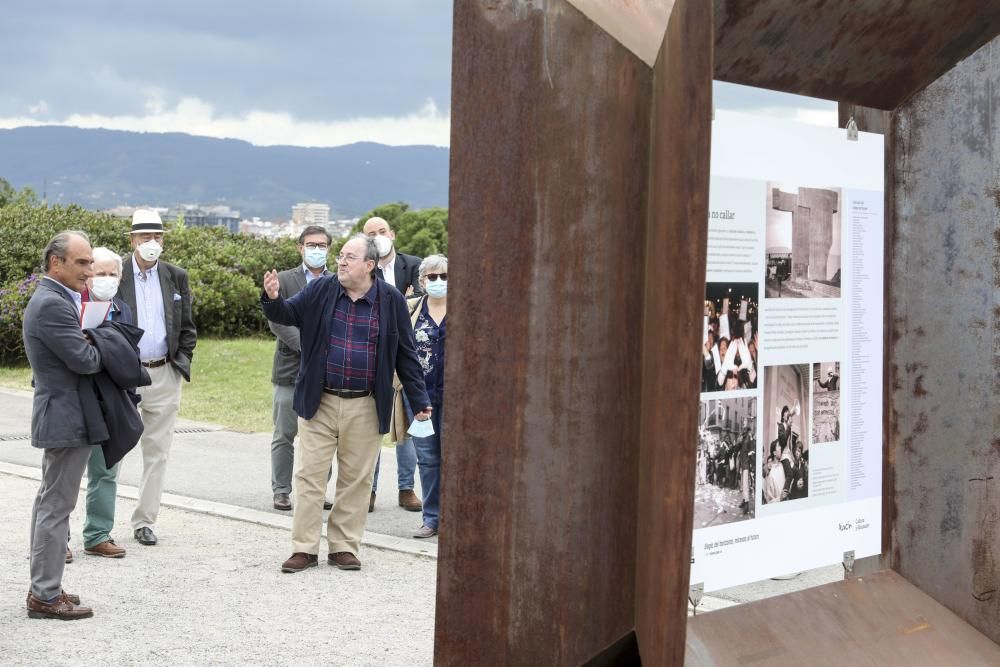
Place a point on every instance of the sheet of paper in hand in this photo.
(93, 313)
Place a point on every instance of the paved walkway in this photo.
(211, 592)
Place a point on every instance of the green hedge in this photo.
(225, 269)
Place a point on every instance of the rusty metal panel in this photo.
(676, 247)
(876, 53)
(549, 164)
(877, 620)
(945, 358)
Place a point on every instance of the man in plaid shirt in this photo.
(355, 333)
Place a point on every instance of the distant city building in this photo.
(208, 216)
(127, 211)
(305, 214)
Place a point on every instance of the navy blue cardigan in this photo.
(311, 309)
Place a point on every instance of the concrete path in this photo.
(210, 463)
(211, 592)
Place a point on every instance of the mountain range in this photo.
(101, 169)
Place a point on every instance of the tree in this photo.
(7, 193)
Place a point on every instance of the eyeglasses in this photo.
(434, 276)
(316, 246)
(347, 258)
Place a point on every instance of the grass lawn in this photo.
(230, 383)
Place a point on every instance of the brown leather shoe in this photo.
(69, 554)
(299, 561)
(106, 549)
(408, 501)
(61, 608)
(344, 560)
(282, 502)
(75, 599)
(371, 503)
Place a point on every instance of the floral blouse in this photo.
(430, 352)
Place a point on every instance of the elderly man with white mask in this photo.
(160, 296)
(102, 482)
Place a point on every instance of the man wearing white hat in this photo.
(159, 295)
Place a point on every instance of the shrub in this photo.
(225, 269)
(13, 300)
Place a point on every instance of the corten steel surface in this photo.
(870, 52)
(675, 297)
(945, 365)
(877, 620)
(549, 167)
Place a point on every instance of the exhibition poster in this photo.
(789, 463)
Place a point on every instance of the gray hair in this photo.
(102, 254)
(433, 262)
(58, 246)
(371, 250)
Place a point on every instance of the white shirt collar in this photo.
(136, 271)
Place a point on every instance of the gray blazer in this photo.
(58, 354)
(285, 367)
(181, 333)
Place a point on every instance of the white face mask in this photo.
(383, 244)
(150, 250)
(104, 288)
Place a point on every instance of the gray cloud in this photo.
(318, 60)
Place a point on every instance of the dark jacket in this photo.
(311, 310)
(406, 272)
(285, 367)
(110, 415)
(181, 333)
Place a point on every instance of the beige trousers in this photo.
(160, 402)
(345, 429)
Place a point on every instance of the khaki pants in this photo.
(160, 402)
(345, 428)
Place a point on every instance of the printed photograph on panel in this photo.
(826, 402)
(730, 338)
(726, 462)
(802, 241)
(785, 455)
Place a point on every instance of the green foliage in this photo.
(420, 233)
(226, 270)
(7, 193)
(13, 299)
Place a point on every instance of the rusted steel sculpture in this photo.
(579, 201)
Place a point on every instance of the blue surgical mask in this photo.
(316, 257)
(437, 288)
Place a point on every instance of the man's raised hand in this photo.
(271, 284)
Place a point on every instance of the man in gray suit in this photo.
(59, 354)
(314, 245)
(160, 296)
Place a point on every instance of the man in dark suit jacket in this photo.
(159, 295)
(314, 245)
(59, 354)
(399, 270)
(402, 272)
(355, 333)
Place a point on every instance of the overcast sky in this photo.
(310, 72)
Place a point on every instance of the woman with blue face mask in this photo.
(428, 316)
